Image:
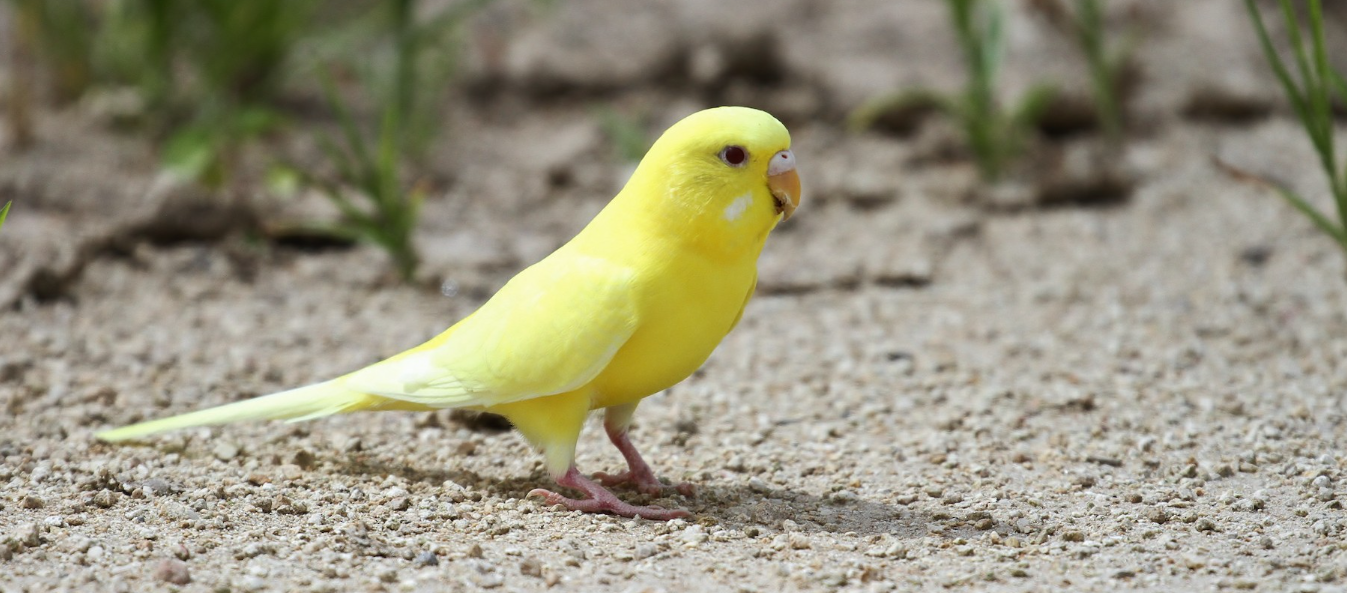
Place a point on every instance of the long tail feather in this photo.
(303, 403)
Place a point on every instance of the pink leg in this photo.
(638, 471)
(601, 500)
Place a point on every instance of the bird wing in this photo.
(551, 329)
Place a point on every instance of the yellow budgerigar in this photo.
(632, 305)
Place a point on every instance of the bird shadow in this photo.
(717, 504)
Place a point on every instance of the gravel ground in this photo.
(930, 392)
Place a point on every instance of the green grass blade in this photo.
(348, 208)
(1328, 81)
(346, 168)
(993, 47)
(354, 139)
(1321, 221)
(1298, 102)
(4, 213)
(1308, 103)
(331, 190)
(1033, 104)
(1317, 87)
(1337, 232)
(1297, 43)
(387, 192)
(1089, 26)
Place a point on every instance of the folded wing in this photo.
(551, 329)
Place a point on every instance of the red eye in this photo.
(734, 156)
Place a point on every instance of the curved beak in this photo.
(784, 183)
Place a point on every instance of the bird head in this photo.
(724, 177)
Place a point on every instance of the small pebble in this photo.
(798, 541)
(426, 559)
(645, 550)
(29, 535)
(531, 567)
(105, 498)
(225, 451)
(157, 486)
(490, 580)
(693, 535)
(757, 485)
(172, 570)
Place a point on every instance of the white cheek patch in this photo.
(737, 208)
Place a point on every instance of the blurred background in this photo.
(417, 125)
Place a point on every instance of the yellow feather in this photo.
(312, 401)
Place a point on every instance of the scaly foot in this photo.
(638, 472)
(645, 482)
(601, 500)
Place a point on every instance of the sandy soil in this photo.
(931, 391)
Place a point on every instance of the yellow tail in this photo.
(303, 403)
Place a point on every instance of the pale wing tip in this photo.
(123, 434)
(115, 435)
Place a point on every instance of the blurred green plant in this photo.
(995, 135)
(205, 77)
(63, 35)
(19, 96)
(212, 75)
(205, 72)
(4, 213)
(1106, 67)
(1312, 99)
(371, 165)
(627, 134)
(374, 173)
(57, 35)
(426, 55)
(178, 53)
(408, 54)
(64, 43)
